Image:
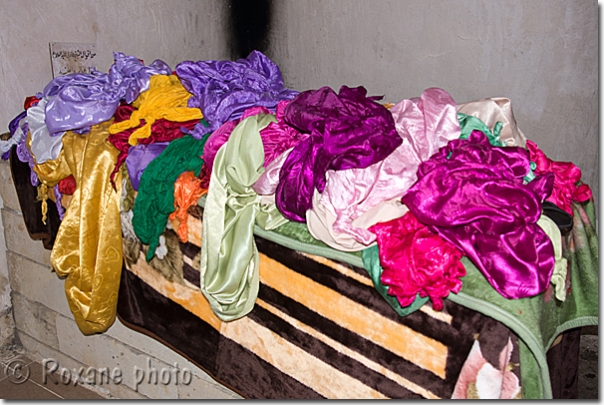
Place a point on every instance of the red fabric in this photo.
(417, 261)
(162, 130)
(567, 179)
(67, 186)
(30, 101)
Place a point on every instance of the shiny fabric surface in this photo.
(43, 146)
(16, 128)
(364, 195)
(416, 261)
(347, 130)
(155, 199)
(567, 176)
(224, 89)
(187, 191)
(276, 137)
(166, 98)
(371, 262)
(476, 199)
(24, 155)
(88, 247)
(221, 135)
(558, 279)
(80, 100)
(229, 256)
(162, 130)
(496, 109)
(139, 158)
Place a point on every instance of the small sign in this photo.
(69, 58)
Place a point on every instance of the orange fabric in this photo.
(187, 190)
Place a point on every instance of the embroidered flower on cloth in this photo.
(480, 380)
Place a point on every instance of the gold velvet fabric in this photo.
(88, 247)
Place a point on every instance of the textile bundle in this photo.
(416, 188)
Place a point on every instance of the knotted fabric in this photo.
(229, 257)
(88, 247)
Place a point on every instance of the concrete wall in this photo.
(542, 54)
(47, 331)
(172, 31)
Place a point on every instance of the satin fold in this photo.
(347, 130)
(567, 179)
(166, 98)
(224, 89)
(155, 199)
(417, 262)
(354, 199)
(492, 110)
(79, 100)
(558, 279)
(88, 247)
(229, 257)
(472, 194)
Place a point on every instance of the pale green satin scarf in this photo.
(229, 257)
(558, 279)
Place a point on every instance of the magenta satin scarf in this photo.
(472, 194)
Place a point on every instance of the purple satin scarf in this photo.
(224, 89)
(347, 130)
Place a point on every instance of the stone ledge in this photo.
(18, 239)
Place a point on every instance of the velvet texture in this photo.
(301, 342)
(472, 194)
(31, 207)
(347, 130)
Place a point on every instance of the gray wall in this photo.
(542, 54)
(173, 31)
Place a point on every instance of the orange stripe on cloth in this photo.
(400, 380)
(403, 341)
(340, 269)
(306, 368)
(191, 299)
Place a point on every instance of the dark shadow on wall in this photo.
(249, 26)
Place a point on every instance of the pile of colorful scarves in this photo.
(422, 182)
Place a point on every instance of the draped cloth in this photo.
(567, 179)
(79, 100)
(347, 130)
(229, 256)
(224, 89)
(493, 110)
(88, 247)
(473, 195)
(155, 199)
(354, 199)
(167, 99)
